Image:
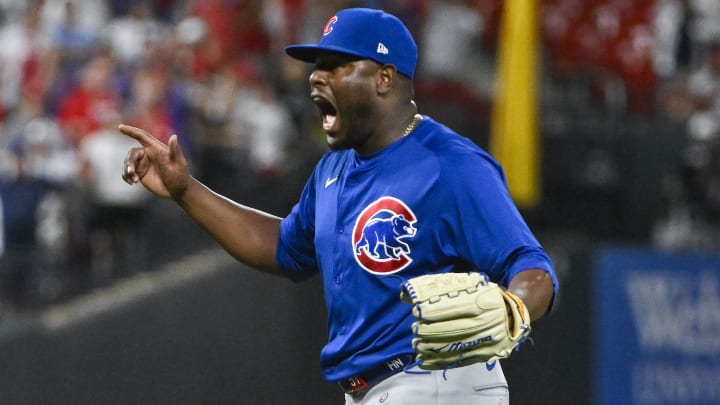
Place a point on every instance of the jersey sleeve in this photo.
(486, 227)
(295, 253)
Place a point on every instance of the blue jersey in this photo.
(431, 202)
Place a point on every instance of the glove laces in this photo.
(417, 363)
(460, 362)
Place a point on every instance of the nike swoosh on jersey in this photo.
(330, 181)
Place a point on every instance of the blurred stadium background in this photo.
(111, 297)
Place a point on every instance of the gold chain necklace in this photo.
(416, 119)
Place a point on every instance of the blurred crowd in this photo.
(651, 67)
(691, 97)
(72, 70)
(213, 72)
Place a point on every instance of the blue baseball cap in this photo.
(366, 33)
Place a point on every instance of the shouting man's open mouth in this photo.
(328, 113)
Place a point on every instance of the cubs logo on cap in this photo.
(380, 236)
(366, 33)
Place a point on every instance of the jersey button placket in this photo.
(338, 271)
(339, 232)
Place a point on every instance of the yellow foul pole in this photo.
(514, 138)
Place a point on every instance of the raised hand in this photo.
(161, 168)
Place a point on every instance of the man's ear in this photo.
(386, 78)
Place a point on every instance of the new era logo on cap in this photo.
(366, 33)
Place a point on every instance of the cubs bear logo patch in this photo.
(379, 236)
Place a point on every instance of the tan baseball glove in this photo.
(462, 318)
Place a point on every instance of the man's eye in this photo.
(330, 65)
(326, 66)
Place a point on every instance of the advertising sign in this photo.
(656, 326)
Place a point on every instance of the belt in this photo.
(362, 382)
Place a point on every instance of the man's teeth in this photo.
(328, 121)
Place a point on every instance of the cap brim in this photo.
(308, 53)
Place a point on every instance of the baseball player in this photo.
(430, 273)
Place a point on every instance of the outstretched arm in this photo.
(247, 234)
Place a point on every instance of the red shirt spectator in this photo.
(235, 31)
(85, 106)
(149, 107)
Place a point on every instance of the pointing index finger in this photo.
(142, 136)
